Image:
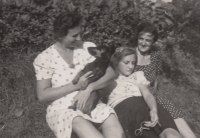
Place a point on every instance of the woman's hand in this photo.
(154, 119)
(84, 78)
(81, 98)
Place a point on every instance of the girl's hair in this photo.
(64, 22)
(120, 54)
(147, 27)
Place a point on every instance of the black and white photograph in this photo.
(99, 68)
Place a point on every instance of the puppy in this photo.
(98, 68)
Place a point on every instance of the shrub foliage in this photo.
(27, 24)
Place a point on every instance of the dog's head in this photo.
(100, 52)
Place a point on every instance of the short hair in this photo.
(64, 22)
(148, 28)
(120, 54)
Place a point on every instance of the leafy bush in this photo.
(26, 25)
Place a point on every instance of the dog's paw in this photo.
(74, 81)
(72, 107)
(84, 85)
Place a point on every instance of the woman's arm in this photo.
(158, 71)
(157, 83)
(148, 97)
(45, 91)
(103, 81)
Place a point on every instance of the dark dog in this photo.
(98, 68)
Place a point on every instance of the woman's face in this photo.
(127, 65)
(72, 39)
(145, 41)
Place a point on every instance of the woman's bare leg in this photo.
(84, 129)
(183, 128)
(170, 133)
(111, 128)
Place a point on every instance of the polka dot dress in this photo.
(151, 71)
(50, 65)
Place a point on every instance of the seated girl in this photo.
(135, 106)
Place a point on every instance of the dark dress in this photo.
(131, 108)
(150, 72)
(133, 111)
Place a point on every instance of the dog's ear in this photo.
(112, 49)
(104, 49)
(93, 51)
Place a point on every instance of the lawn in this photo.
(24, 115)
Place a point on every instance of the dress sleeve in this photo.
(42, 66)
(159, 63)
(140, 78)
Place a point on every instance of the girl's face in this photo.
(145, 41)
(72, 39)
(127, 65)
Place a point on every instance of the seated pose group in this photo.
(131, 109)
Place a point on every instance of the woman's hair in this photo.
(120, 54)
(147, 27)
(64, 22)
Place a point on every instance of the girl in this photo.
(133, 103)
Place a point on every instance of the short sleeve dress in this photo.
(151, 71)
(132, 110)
(50, 65)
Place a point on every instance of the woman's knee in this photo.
(77, 122)
(184, 128)
(170, 133)
(111, 121)
(84, 129)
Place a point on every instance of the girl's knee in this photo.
(112, 128)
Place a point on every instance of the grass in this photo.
(24, 115)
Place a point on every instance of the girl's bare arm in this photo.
(148, 97)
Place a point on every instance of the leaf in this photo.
(18, 2)
(55, 2)
(18, 112)
(123, 4)
(2, 125)
(71, 7)
(98, 2)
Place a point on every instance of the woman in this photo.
(55, 68)
(150, 61)
(134, 104)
